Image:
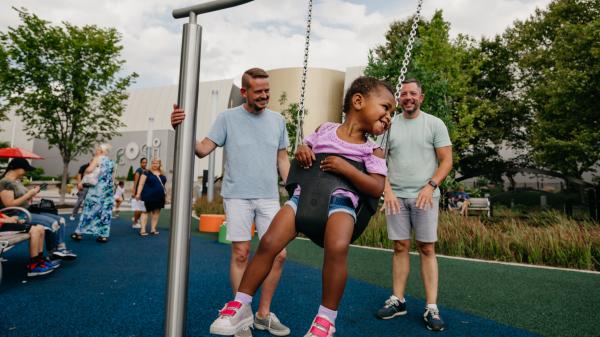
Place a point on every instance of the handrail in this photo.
(207, 7)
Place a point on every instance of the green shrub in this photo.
(130, 174)
(202, 206)
(36, 174)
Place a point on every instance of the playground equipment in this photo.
(179, 240)
(312, 213)
(178, 262)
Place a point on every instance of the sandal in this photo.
(76, 237)
(102, 239)
(154, 233)
(143, 234)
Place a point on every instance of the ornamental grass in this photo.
(542, 238)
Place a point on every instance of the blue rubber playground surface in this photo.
(118, 289)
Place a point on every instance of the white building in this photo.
(148, 112)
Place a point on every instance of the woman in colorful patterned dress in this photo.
(97, 207)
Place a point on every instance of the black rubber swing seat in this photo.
(317, 187)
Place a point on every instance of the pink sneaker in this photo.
(321, 327)
(234, 317)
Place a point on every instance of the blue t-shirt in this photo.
(251, 143)
(412, 159)
(462, 195)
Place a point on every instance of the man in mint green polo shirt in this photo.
(419, 159)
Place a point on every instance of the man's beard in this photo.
(256, 107)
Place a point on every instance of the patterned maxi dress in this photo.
(97, 207)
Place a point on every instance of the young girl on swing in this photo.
(368, 105)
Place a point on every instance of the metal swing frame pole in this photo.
(185, 134)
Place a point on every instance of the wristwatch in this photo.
(432, 183)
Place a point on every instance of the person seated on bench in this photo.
(38, 265)
(459, 200)
(14, 194)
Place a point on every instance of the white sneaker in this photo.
(272, 324)
(244, 333)
(321, 327)
(136, 225)
(233, 318)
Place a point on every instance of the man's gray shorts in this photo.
(423, 221)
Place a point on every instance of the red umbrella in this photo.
(15, 152)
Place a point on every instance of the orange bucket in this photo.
(210, 223)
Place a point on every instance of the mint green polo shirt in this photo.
(412, 160)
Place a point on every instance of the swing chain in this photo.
(409, 47)
(300, 126)
(403, 70)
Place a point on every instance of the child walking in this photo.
(368, 105)
(119, 197)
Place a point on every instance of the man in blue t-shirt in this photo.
(255, 140)
(460, 200)
(419, 159)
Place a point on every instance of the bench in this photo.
(482, 205)
(10, 239)
(7, 241)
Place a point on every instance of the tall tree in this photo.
(466, 84)
(559, 72)
(63, 81)
(291, 114)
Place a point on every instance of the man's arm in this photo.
(205, 147)
(283, 164)
(444, 156)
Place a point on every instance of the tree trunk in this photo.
(63, 182)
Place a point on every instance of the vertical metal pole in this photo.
(210, 186)
(179, 246)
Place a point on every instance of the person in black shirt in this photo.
(137, 205)
(81, 191)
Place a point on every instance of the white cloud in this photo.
(265, 33)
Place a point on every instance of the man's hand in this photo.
(305, 156)
(334, 164)
(391, 205)
(425, 197)
(177, 116)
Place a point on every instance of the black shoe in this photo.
(392, 308)
(433, 320)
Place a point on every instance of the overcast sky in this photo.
(262, 33)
